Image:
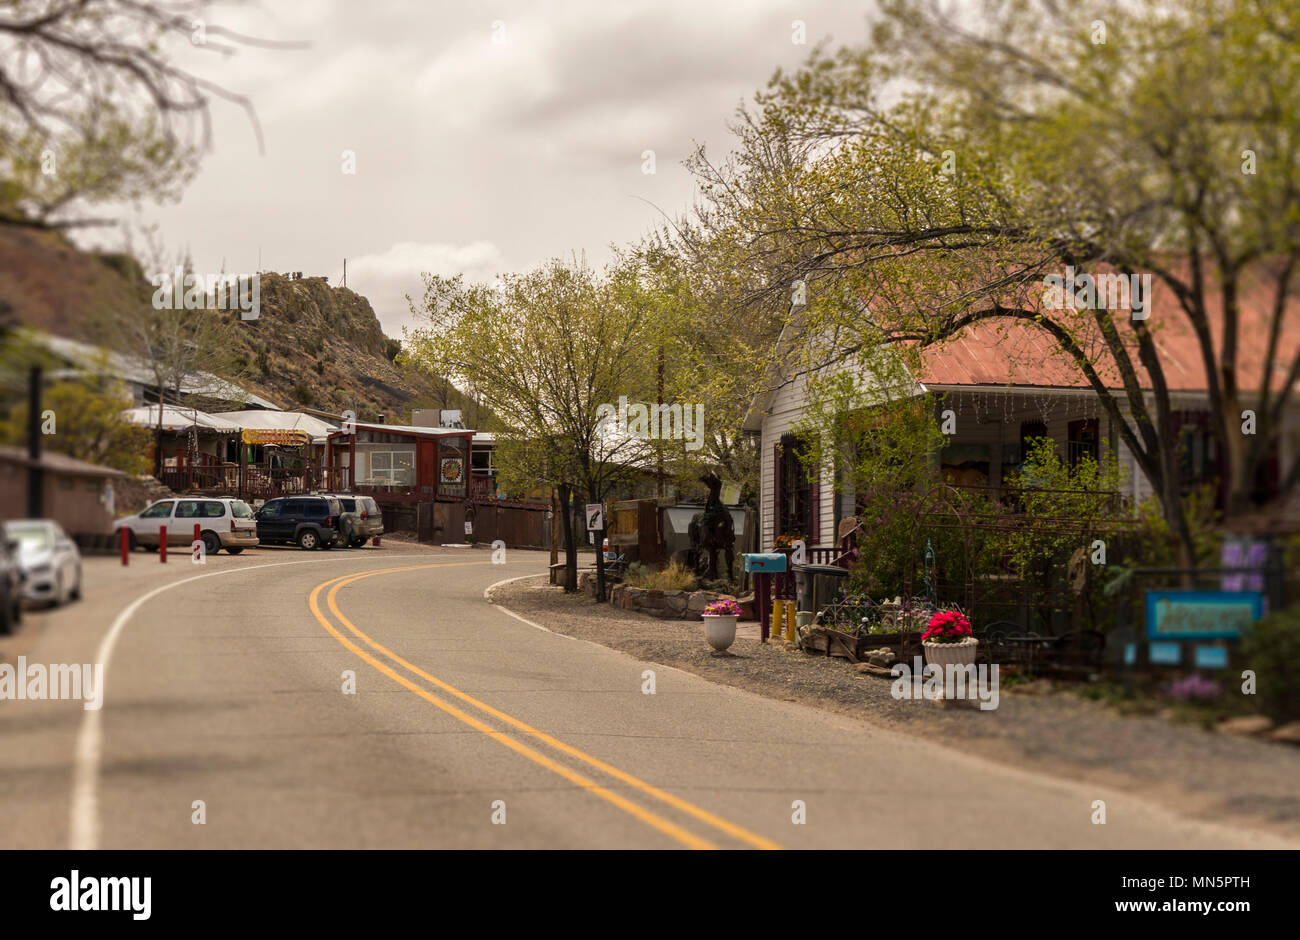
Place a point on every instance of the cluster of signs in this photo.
(1205, 620)
(1200, 617)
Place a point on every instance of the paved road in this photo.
(225, 685)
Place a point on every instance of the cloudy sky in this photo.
(488, 136)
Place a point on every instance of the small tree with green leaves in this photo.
(545, 352)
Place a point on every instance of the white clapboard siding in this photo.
(785, 410)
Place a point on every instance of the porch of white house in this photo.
(990, 429)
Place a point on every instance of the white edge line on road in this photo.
(531, 624)
(83, 826)
(487, 591)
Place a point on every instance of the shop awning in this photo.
(254, 420)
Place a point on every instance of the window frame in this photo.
(171, 508)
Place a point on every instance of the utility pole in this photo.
(345, 272)
(659, 448)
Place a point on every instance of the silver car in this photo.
(48, 559)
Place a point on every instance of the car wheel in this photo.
(308, 540)
(234, 551)
(211, 544)
(131, 542)
(76, 588)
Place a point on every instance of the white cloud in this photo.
(386, 278)
(470, 155)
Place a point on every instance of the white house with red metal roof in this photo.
(1007, 383)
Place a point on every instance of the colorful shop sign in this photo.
(281, 436)
(1201, 615)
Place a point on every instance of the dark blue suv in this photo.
(310, 522)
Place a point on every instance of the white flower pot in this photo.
(955, 654)
(720, 630)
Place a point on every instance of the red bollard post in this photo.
(162, 544)
(376, 541)
(198, 533)
(126, 546)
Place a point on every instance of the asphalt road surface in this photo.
(226, 724)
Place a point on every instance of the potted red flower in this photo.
(948, 639)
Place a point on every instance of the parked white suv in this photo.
(223, 523)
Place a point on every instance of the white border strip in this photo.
(488, 590)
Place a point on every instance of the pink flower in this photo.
(724, 607)
(947, 625)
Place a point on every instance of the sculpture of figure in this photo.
(713, 530)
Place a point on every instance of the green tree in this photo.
(1068, 504)
(929, 181)
(706, 357)
(544, 351)
(88, 425)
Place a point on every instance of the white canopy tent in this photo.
(177, 418)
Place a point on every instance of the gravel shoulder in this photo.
(1200, 773)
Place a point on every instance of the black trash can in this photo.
(815, 585)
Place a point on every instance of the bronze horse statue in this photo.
(713, 530)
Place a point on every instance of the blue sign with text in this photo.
(1201, 615)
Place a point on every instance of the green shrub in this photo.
(1272, 650)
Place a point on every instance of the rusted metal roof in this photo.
(1017, 352)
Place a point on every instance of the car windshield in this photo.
(30, 536)
(239, 509)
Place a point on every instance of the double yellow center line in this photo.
(665, 826)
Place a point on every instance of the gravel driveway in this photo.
(1198, 772)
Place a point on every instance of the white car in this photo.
(223, 523)
(48, 559)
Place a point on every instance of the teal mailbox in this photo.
(765, 562)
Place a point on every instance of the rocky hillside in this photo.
(322, 347)
(313, 346)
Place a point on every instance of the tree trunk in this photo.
(570, 549)
(1236, 465)
(1176, 518)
